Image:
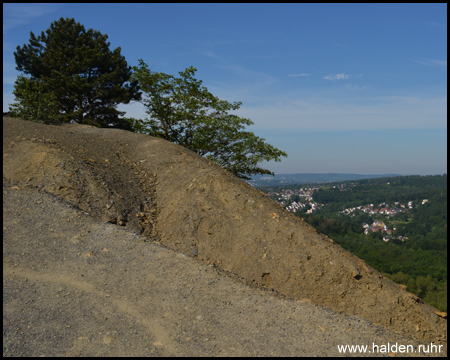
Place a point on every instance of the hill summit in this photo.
(177, 198)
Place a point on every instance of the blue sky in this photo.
(347, 88)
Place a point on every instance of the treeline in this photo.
(382, 190)
(420, 262)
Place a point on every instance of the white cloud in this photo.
(340, 76)
(303, 74)
(15, 15)
(432, 62)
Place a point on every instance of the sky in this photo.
(342, 88)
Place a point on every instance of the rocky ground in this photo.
(121, 244)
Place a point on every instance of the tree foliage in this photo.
(35, 103)
(76, 74)
(183, 111)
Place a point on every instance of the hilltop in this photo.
(128, 218)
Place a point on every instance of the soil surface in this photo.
(120, 244)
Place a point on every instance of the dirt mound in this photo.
(193, 206)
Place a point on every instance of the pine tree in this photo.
(78, 71)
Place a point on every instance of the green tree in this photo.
(78, 72)
(183, 111)
(35, 104)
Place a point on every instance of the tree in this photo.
(78, 72)
(35, 104)
(183, 111)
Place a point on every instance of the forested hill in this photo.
(385, 189)
(308, 178)
(414, 250)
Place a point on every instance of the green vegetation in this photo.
(185, 112)
(34, 102)
(381, 190)
(420, 261)
(73, 76)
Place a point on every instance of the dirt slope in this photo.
(75, 286)
(190, 205)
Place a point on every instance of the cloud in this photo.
(340, 76)
(432, 62)
(211, 54)
(299, 74)
(15, 15)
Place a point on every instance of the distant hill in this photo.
(309, 178)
